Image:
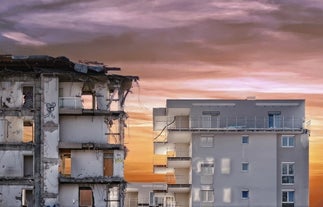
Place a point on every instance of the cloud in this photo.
(22, 38)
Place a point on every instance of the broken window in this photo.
(88, 96)
(108, 164)
(28, 97)
(85, 197)
(27, 198)
(66, 163)
(28, 132)
(28, 165)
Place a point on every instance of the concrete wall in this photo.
(10, 195)
(70, 89)
(11, 94)
(50, 139)
(12, 163)
(118, 163)
(69, 194)
(83, 129)
(87, 163)
(261, 178)
(298, 155)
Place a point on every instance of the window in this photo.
(108, 164)
(288, 173)
(206, 142)
(245, 166)
(28, 131)
(245, 194)
(207, 195)
(288, 141)
(28, 165)
(207, 171)
(27, 198)
(288, 197)
(85, 197)
(245, 139)
(28, 94)
(225, 166)
(274, 119)
(66, 165)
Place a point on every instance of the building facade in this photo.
(61, 132)
(233, 152)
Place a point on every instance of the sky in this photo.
(206, 49)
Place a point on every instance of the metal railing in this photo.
(235, 123)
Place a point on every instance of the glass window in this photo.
(274, 119)
(245, 139)
(288, 197)
(206, 141)
(207, 195)
(245, 194)
(245, 166)
(288, 141)
(288, 173)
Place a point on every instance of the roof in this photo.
(45, 63)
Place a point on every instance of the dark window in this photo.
(28, 95)
(28, 165)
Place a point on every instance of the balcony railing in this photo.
(235, 123)
(70, 102)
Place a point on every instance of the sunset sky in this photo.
(232, 49)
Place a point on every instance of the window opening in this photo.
(66, 165)
(28, 165)
(28, 96)
(85, 197)
(28, 131)
(245, 166)
(27, 199)
(108, 164)
(245, 139)
(245, 194)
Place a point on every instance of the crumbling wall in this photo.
(11, 195)
(118, 163)
(72, 129)
(50, 134)
(14, 129)
(87, 163)
(12, 164)
(11, 94)
(70, 89)
(101, 95)
(69, 195)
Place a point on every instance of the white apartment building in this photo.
(61, 133)
(233, 152)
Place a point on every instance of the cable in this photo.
(165, 128)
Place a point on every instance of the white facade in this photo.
(233, 152)
(55, 131)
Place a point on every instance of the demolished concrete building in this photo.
(61, 132)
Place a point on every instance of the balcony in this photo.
(219, 123)
(70, 105)
(179, 159)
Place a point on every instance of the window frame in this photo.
(209, 195)
(288, 174)
(288, 137)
